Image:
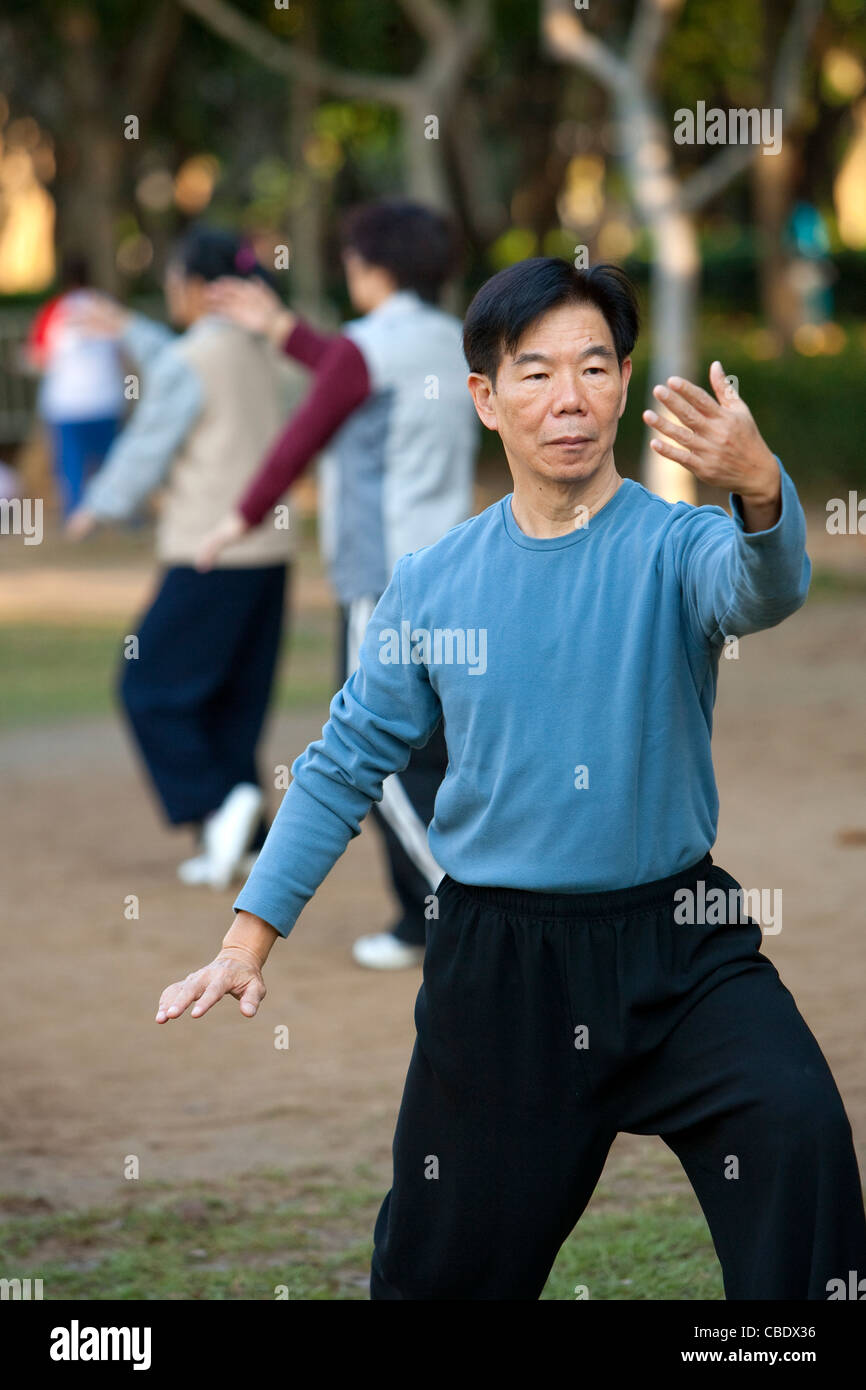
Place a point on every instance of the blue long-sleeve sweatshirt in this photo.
(576, 677)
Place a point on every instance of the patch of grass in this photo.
(242, 1239)
(56, 671)
(200, 1242)
(658, 1249)
(53, 672)
(832, 584)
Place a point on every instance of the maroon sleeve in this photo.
(341, 383)
(306, 344)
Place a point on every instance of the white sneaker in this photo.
(198, 870)
(194, 871)
(385, 952)
(227, 833)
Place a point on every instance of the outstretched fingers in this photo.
(252, 997)
(671, 451)
(691, 406)
(663, 425)
(694, 396)
(178, 997)
(208, 986)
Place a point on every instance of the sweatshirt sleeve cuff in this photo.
(789, 503)
(271, 908)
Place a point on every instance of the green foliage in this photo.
(714, 53)
(243, 1238)
(807, 408)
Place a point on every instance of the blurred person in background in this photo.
(196, 693)
(81, 393)
(389, 401)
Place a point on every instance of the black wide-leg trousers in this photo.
(548, 1023)
(197, 692)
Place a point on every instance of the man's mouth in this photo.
(572, 439)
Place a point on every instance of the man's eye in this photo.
(536, 376)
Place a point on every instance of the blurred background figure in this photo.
(389, 400)
(81, 394)
(811, 271)
(197, 682)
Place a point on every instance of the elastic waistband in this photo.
(614, 902)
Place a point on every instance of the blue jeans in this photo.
(79, 448)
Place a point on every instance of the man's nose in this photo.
(569, 397)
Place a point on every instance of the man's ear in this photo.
(625, 373)
(484, 397)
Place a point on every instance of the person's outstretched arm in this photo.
(137, 462)
(100, 316)
(341, 382)
(746, 572)
(383, 712)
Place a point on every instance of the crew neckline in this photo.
(596, 523)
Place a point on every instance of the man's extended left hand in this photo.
(716, 440)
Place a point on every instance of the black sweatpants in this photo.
(197, 694)
(545, 1025)
(419, 782)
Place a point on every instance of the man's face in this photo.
(558, 398)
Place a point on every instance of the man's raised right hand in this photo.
(234, 971)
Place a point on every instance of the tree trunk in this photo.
(91, 157)
(425, 177)
(772, 181)
(306, 224)
(645, 143)
(673, 314)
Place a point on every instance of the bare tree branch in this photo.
(447, 60)
(149, 56)
(289, 61)
(566, 38)
(786, 94)
(649, 29)
(715, 175)
(787, 91)
(453, 39)
(433, 21)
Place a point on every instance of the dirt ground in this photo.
(89, 1078)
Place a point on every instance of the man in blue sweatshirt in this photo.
(588, 967)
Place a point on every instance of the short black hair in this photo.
(418, 246)
(509, 302)
(211, 252)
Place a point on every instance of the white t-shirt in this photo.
(83, 377)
